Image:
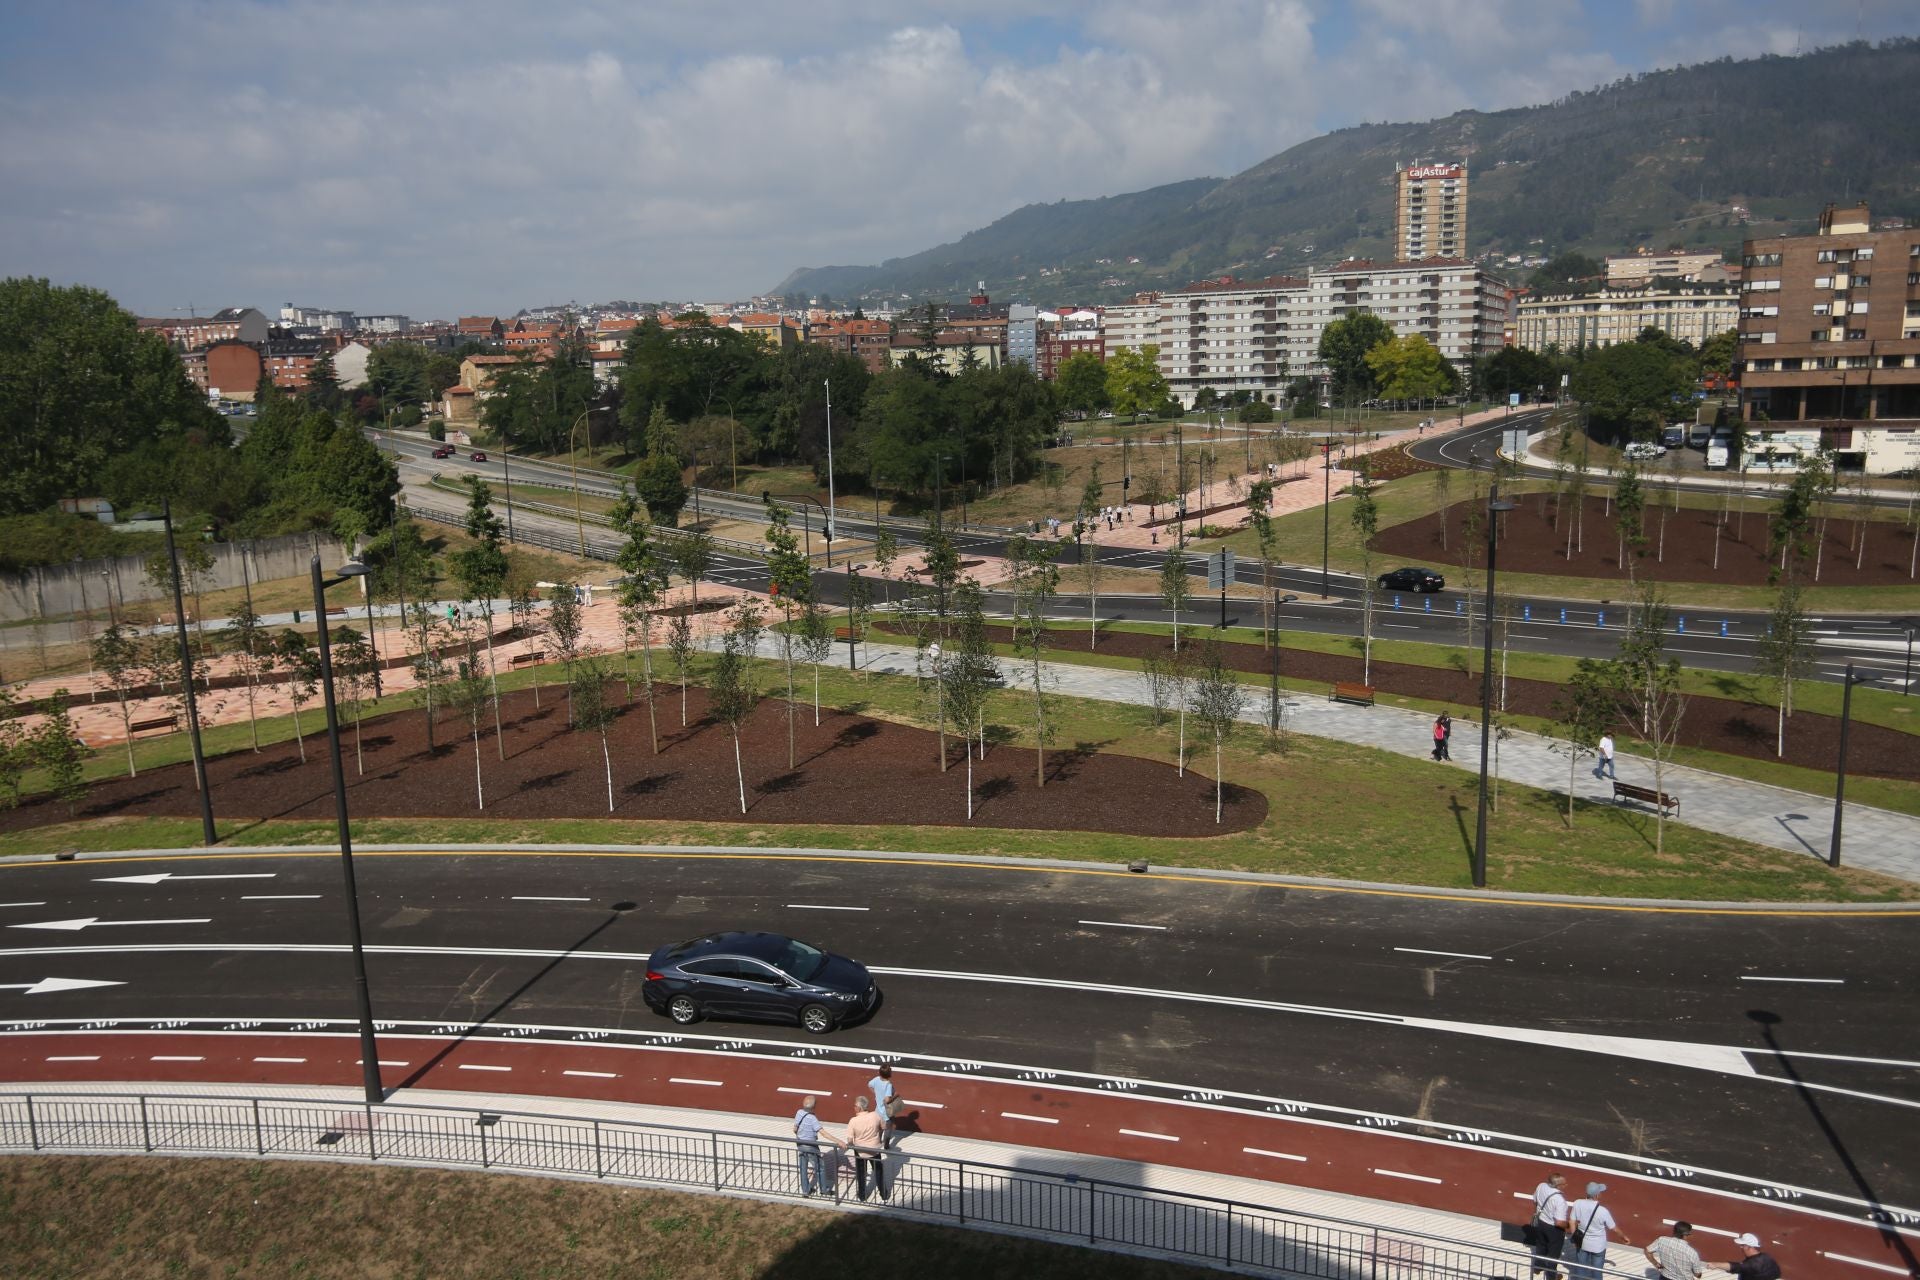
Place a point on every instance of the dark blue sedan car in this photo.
(758, 977)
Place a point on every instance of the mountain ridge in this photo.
(1704, 155)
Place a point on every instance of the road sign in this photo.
(1219, 569)
(1513, 399)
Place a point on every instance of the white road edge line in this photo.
(1017, 1115)
(1282, 1155)
(817, 906)
(1410, 1177)
(1712, 1231)
(76, 1057)
(1457, 955)
(596, 1075)
(279, 1059)
(22, 904)
(1748, 977)
(276, 897)
(1862, 1262)
(537, 898)
(818, 1093)
(1122, 924)
(911, 1102)
(478, 1066)
(715, 1084)
(174, 1057)
(1157, 1137)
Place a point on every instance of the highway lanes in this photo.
(1622, 1030)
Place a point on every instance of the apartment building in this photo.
(1232, 335)
(1134, 324)
(1566, 321)
(1628, 268)
(1430, 212)
(1830, 340)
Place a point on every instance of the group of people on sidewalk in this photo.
(868, 1137)
(1589, 1226)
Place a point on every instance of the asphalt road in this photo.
(1649, 1032)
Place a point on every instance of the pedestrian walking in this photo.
(1673, 1257)
(1439, 735)
(1549, 1226)
(886, 1101)
(1591, 1222)
(1754, 1263)
(1446, 736)
(1603, 768)
(866, 1141)
(806, 1135)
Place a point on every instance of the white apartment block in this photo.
(1133, 324)
(1650, 266)
(1567, 322)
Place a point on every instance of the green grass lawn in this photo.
(1398, 819)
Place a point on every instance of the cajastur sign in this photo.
(1420, 172)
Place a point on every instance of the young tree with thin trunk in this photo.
(1089, 522)
(791, 587)
(1260, 520)
(301, 661)
(693, 555)
(16, 750)
(592, 711)
(481, 569)
(970, 673)
(469, 693)
(1366, 523)
(859, 608)
(523, 604)
(565, 625)
(638, 594)
(1785, 653)
(1035, 580)
(1630, 499)
(117, 657)
(55, 747)
(1582, 713)
(886, 549)
(816, 645)
(353, 672)
(730, 690)
(1218, 699)
(249, 639)
(680, 648)
(429, 668)
(1175, 587)
(1443, 500)
(1647, 684)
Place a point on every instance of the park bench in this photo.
(1352, 691)
(169, 723)
(1646, 795)
(522, 659)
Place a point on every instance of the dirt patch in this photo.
(852, 769)
(1728, 725)
(1534, 540)
(1395, 463)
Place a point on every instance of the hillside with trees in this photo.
(1665, 157)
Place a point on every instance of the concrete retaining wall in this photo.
(54, 590)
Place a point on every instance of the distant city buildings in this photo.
(1569, 321)
(1829, 352)
(1430, 212)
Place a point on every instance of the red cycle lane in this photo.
(1387, 1163)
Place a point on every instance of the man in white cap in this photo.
(1754, 1262)
(1589, 1223)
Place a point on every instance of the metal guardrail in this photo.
(1094, 1211)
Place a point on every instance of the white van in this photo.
(1717, 453)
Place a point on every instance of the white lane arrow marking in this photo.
(90, 922)
(55, 984)
(157, 876)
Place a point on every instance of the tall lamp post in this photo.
(208, 835)
(1326, 515)
(1909, 625)
(1273, 670)
(1840, 780)
(1495, 509)
(579, 526)
(369, 1052)
(830, 511)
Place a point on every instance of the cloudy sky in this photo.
(435, 158)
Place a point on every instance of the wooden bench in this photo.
(1646, 795)
(169, 723)
(522, 659)
(1352, 691)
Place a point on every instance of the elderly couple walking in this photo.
(1587, 1225)
(868, 1135)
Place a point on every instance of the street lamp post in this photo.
(579, 525)
(1495, 508)
(1909, 625)
(1840, 780)
(207, 832)
(1326, 515)
(830, 510)
(369, 1052)
(1273, 670)
(506, 473)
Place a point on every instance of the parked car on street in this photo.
(1674, 437)
(758, 977)
(1409, 578)
(444, 451)
(1641, 450)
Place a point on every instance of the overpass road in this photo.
(1756, 1043)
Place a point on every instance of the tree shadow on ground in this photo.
(648, 786)
(546, 781)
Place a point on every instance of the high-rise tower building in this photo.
(1430, 212)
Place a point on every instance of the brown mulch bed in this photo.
(851, 770)
(1532, 542)
(1727, 725)
(1394, 463)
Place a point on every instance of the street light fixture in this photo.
(830, 512)
(1496, 507)
(1840, 779)
(1908, 625)
(1273, 655)
(1326, 515)
(369, 1053)
(579, 526)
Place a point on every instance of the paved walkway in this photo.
(1877, 839)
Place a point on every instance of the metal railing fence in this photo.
(1098, 1212)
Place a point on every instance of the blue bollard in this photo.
(1563, 615)
(1428, 601)
(1526, 613)
(1723, 626)
(1681, 627)
(1396, 602)
(1600, 618)
(1459, 606)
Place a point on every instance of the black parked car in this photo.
(1411, 579)
(758, 977)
